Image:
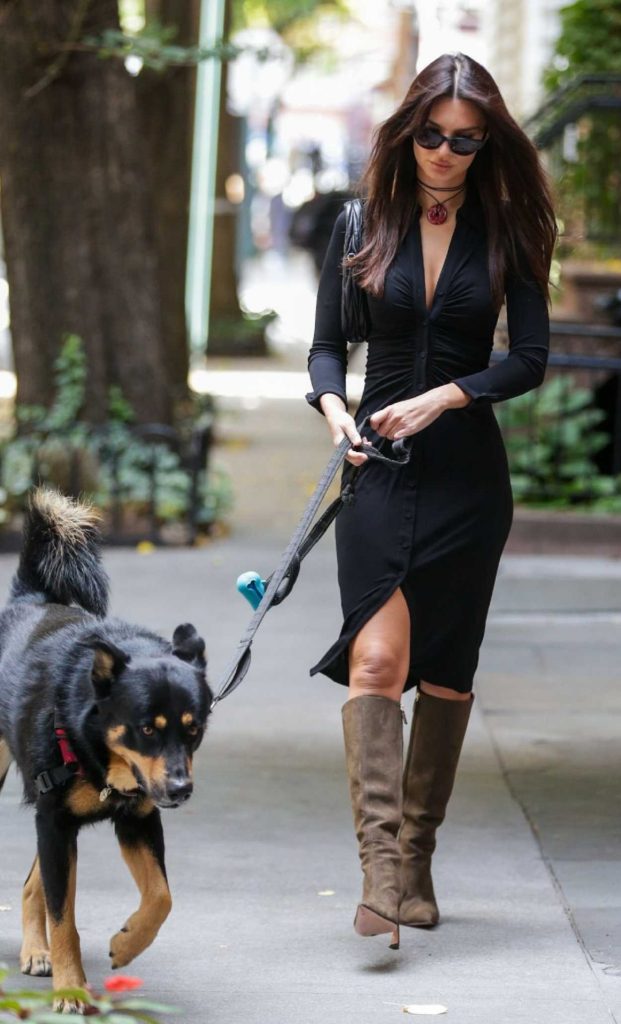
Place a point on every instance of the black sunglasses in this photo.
(429, 138)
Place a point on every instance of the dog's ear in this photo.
(108, 662)
(189, 646)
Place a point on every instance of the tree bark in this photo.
(167, 110)
(225, 315)
(76, 211)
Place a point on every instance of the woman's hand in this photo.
(414, 414)
(341, 425)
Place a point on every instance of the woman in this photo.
(457, 218)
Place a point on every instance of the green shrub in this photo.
(56, 447)
(552, 436)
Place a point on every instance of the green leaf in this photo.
(72, 993)
(146, 1004)
(46, 1017)
(120, 1018)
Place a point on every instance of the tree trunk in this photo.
(76, 211)
(167, 109)
(225, 316)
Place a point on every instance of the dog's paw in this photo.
(37, 963)
(124, 946)
(66, 1005)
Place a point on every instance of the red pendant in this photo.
(437, 214)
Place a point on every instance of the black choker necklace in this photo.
(438, 213)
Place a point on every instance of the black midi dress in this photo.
(437, 527)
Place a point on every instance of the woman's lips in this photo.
(443, 167)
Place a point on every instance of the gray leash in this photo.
(281, 581)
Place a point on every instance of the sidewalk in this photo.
(262, 861)
(527, 869)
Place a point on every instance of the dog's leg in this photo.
(35, 954)
(58, 860)
(142, 846)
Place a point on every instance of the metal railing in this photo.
(602, 374)
(537, 420)
(584, 93)
(193, 460)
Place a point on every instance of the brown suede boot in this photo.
(436, 739)
(373, 731)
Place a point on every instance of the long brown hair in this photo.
(506, 175)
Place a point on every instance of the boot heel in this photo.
(367, 922)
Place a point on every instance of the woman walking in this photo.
(457, 218)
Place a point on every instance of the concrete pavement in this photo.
(528, 867)
(262, 861)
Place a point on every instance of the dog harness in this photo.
(53, 778)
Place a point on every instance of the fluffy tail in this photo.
(60, 554)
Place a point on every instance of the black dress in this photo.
(436, 528)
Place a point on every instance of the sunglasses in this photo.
(429, 138)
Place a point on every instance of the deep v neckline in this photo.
(437, 292)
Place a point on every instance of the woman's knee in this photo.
(377, 668)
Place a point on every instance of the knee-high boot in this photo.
(373, 731)
(436, 739)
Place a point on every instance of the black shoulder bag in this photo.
(354, 310)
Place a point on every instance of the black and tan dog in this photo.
(102, 719)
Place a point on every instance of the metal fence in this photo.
(564, 439)
(191, 464)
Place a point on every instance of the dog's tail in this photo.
(5, 760)
(60, 556)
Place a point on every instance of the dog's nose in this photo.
(179, 790)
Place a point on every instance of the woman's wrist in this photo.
(451, 396)
(331, 403)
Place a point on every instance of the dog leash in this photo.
(280, 584)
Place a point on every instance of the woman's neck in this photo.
(452, 199)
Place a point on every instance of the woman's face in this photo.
(450, 117)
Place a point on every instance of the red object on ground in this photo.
(122, 983)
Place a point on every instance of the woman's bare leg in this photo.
(443, 692)
(379, 655)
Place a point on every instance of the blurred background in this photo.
(170, 171)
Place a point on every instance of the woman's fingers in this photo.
(352, 432)
(377, 418)
(345, 427)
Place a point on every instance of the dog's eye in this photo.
(148, 730)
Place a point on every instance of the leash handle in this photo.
(281, 581)
(401, 449)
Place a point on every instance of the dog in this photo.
(102, 719)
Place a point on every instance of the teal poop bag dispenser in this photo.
(252, 587)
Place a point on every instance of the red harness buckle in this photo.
(66, 750)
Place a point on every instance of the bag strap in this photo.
(354, 310)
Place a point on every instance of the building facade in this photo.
(520, 41)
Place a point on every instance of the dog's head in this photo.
(153, 711)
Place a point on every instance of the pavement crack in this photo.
(536, 834)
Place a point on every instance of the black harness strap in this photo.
(55, 777)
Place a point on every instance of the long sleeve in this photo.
(327, 360)
(529, 342)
